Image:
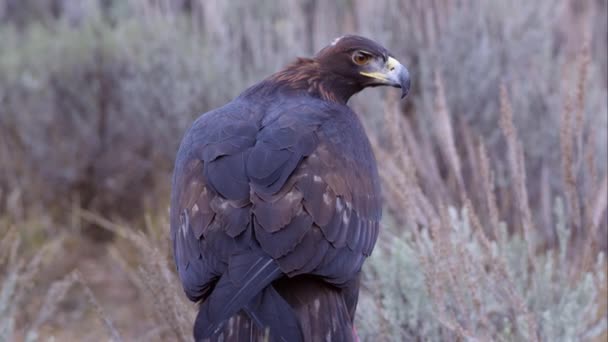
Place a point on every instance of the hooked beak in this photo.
(393, 74)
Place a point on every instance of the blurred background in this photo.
(494, 167)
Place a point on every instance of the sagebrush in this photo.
(494, 168)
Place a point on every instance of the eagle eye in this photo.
(361, 58)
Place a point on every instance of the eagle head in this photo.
(340, 70)
(354, 63)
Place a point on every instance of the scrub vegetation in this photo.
(494, 168)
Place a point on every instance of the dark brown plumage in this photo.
(276, 201)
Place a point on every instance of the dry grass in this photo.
(494, 169)
(155, 276)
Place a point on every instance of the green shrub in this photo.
(414, 290)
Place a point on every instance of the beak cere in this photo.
(393, 74)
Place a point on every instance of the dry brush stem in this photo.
(470, 166)
(592, 214)
(8, 246)
(575, 152)
(77, 277)
(141, 280)
(439, 280)
(546, 198)
(10, 272)
(399, 131)
(590, 162)
(54, 295)
(517, 167)
(499, 277)
(475, 277)
(584, 61)
(522, 198)
(598, 206)
(28, 272)
(445, 134)
(487, 179)
(596, 209)
(567, 139)
(448, 255)
(449, 279)
(397, 169)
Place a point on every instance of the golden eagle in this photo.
(275, 201)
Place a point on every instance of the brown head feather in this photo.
(306, 74)
(334, 75)
(330, 74)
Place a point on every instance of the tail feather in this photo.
(320, 309)
(254, 302)
(248, 275)
(270, 311)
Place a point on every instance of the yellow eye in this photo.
(361, 58)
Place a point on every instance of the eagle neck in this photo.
(306, 75)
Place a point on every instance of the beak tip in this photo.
(405, 85)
